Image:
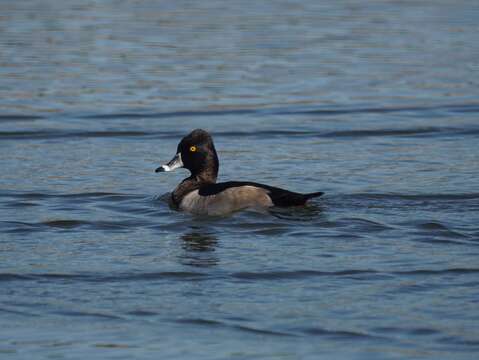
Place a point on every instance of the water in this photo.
(374, 103)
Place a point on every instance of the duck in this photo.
(200, 194)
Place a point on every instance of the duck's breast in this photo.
(227, 201)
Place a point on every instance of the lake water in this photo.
(375, 103)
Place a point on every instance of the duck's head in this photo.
(196, 152)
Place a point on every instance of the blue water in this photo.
(375, 103)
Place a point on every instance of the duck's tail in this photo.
(282, 197)
(312, 195)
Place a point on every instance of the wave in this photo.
(19, 118)
(290, 332)
(168, 275)
(66, 134)
(264, 275)
(55, 133)
(243, 328)
(302, 274)
(59, 134)
(418, 197)
(83, 195)
(292, 110)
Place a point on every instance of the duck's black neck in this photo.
(207, 176)
(207, 170)
(194, 182)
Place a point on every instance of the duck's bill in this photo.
(175, 163)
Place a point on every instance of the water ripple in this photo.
(88, 314)
(302, 274)
(243, 328)
(92, 195)
(419, 197)
(65, 134)
(339, 334)
(242, 275)
(291, 110)
(19, 118)
(70, 224)
(166, 275)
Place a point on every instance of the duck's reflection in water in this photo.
(199, 249)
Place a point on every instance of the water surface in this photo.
(374, 103)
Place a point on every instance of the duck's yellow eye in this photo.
(193, 148)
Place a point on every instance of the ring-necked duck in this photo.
(200, 193)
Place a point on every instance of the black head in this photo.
(196, 152)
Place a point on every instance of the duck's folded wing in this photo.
(278, 196)
(220, 199)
